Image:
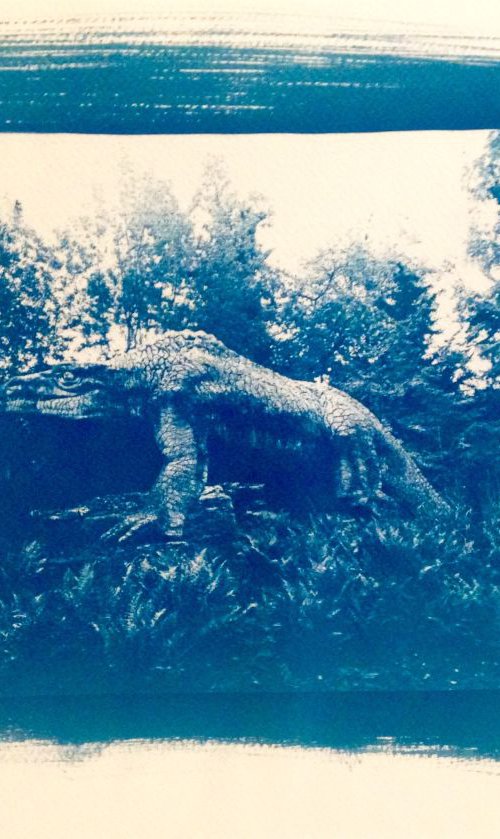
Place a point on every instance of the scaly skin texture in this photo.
(184, 381)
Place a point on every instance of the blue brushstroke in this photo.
(126, 88)
(464, 723)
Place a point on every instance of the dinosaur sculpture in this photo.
(184, 383)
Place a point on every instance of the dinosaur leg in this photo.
(179, 483)
(359, 473)
(182, 479)
(368, 469)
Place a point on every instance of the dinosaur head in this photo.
(66, 391)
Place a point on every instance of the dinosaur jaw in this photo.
(78, 406)
(74, 407)
(18, 406)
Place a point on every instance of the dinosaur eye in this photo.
(67, 378)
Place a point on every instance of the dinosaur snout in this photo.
(19, 391)
(16, 387)
(12, 387)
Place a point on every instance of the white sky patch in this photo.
(406, 192)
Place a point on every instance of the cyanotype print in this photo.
(249, 394)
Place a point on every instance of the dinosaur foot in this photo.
(129, 519)
(143, 526)
(359, 503)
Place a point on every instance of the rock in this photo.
(214, 515)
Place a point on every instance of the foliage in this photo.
(233, 281)
(155, 267)
(480, 316)
(482, 311)
(128, 275)
(369, 326)
(324, 603)
(484, 331)
(484, 244)
(28, 309)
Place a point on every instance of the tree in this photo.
(129, 273)
(156, 267)
(484, 331)
(362, 322)
(368, 326)
(484, 245)
(28, 310)
(233, 281)
(331, 318)
(153, 264)
(480, 313)
(81, 286)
